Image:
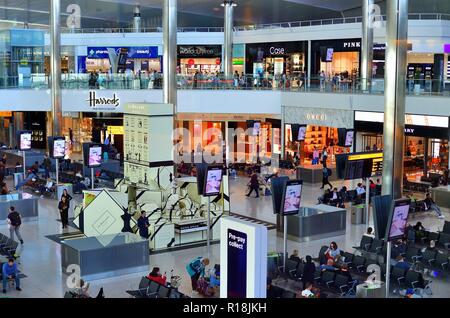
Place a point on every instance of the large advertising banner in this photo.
(243, 259)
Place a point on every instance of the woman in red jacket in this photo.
(156, 276)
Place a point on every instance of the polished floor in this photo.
(40, 256)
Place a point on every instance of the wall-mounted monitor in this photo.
(301, 133)
(291, 197)
(330, 53)
(256, 128)
(398, 219)
(213, 181)
(349, 136)
(24, 140)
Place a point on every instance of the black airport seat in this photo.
(348, 258)
(365, 244)
(328, 278)
(153, 289)
(359, 263)
(441, 261)
(163, 292)
(433, 236)
(428, 257)
(446, 228)
(398, 275)
(300, 269)
(413, 280)
(444, 240)
(291, 269)
(342, 283)
(317, 274)
(412, 254)
(376, 246)
(288, 294)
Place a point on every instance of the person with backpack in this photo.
(326, 173)
(14, 221)
(196, 270)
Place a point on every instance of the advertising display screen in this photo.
(59, 148)
(213, 181)
(256, 128)
(349, 138)
(291, 197)
(237, 264)
(301, 133)
(95, 156)
(25, 140)
(398, 220)
(330, 53)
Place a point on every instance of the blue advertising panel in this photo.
(237, 264)
(134, 52)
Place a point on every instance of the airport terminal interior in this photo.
(238, 149)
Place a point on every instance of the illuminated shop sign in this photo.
(102, 102)
(199, 51)
(134, 52)
(347, 45)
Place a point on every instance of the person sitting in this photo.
(325, 198)
(329, 266)
(47, 188)
(31, 177)
(369, 232)
(344, 271)
(360, 190)
(294, 257)
(272, 291)
(4, 189)
(307, 292)
(155, 275)
(431, 205)
(309, 270)
(333, 251)
(401, 263)
(82, 289)
(335, 198)
(9, 272)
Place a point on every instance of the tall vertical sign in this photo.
(243, 259)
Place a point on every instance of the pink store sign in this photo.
(447, 48)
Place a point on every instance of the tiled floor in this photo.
(40, 257)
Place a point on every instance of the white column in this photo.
(367, 44)
(55, 65)
(228, 38)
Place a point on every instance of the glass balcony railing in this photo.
(213, 82)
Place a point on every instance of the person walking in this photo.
(196, 270)
(63, 207)
(14, 222)
(326, 173)
(254, 185)
(47, 164)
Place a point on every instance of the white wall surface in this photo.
(221, 102)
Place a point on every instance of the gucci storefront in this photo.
(321, 133)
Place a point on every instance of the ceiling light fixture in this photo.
(229, 2)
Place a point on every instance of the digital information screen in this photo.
(302, 133)
(59, 148)
(330, 53)
(25, 141)
(95, 156)
(237, 264)
(349, 138)
(292, 197)
(399, 220)
(355, 169)
(213, 181)
(256, 128)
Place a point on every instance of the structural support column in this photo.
(170, 53)
(308, 65)
(137, 19)
(395, 83)
(55, 65)
(367, 44)
(228, 38)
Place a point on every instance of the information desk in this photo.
(375, 289)
(441, 196)
(314, 174)
(316, 222)
(106, 256)
(24, 203)
(188, 231)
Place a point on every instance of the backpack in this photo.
(14, 217)
(329, 172)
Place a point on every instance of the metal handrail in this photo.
(278, 25)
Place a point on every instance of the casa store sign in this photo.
(199, 51)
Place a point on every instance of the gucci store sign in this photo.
(319, 116)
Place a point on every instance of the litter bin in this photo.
(18, 177)
(357, 216)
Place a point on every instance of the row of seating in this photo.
(151, 289)
(8, 246)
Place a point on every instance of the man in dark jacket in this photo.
(47, 164)
(254, 184)
(14, 222)
(143, 225)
